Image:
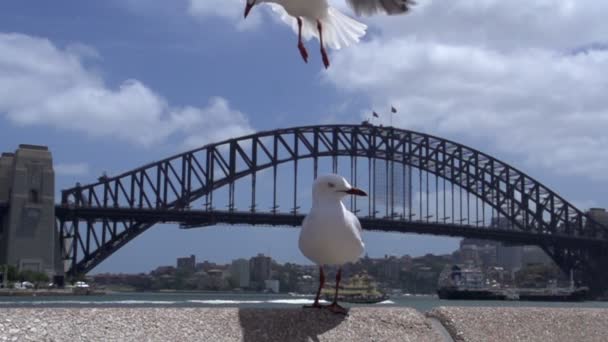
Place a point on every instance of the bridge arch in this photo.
(90, 233)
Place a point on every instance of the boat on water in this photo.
(555, 295)
(469, 283)
(466, 283)
(473, 294)
(359, 289)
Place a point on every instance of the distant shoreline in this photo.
(48, 292)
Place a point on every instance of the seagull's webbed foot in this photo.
(303, 52)
(337, 308)
(314, 305)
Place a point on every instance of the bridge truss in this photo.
(417, 183)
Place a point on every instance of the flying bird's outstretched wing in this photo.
(371, 7)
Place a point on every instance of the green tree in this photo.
(33, 276)
(11, 270)
(537, 275)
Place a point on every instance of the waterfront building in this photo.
(306, 284)
(260, 267)
(509, 257)
(186, 264)
(390, 268)
(239, 271)
(534, 255)
(206, 266)
(469, 255)
(163, 270)
(599, 214)
(271, 285)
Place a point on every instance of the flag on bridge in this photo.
(393, 109)
(375, 114)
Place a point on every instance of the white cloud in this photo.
(41, 84)
(508, 77)
(501, 24)
(218, 119)
(71, 169)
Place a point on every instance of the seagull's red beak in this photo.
(248, 7)
(356, 192)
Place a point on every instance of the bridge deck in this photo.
(200, 218)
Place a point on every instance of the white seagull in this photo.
(316, 18)
(331, 235)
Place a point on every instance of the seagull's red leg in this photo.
(334, 306)
(323, 52)
(301, 47)
(321, 283)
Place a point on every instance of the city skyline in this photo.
(108, 89)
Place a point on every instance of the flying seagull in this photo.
(330, 234)
(316, 18)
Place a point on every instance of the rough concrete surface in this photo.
(214, 324)
(504, 324)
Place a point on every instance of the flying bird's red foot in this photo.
(323, 52)
(337, 309)
(303, 52)
(325, 58)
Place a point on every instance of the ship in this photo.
(469, 283)
(359, 289)
(466, 283)
(555, 294)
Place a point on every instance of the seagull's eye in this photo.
(331, 185)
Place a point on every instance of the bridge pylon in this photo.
(27, 189)
(595, 272)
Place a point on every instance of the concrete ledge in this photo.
(295, 324)
(214, 324)
(472, 324)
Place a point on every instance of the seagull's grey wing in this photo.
(353, 218)
(371, 7)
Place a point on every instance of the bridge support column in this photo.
(28, 238)
(595, 272)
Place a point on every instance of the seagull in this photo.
(330, 234)
(316, 18)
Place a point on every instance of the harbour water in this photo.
(254, 300)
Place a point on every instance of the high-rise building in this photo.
(260, 267)
(533, 255)
(478, 252)
(390, 268)
(239, 271)
(599, 214)
(509, 257)
(186, 264)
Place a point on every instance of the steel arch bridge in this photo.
(416, 183)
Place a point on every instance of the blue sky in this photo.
(111, 85)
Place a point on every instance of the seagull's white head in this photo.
(248, 6)
(334, 186)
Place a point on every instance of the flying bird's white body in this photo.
(316, 18)
(330, 234)
(339, 30)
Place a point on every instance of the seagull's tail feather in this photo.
(308, 29)
(340, 30)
